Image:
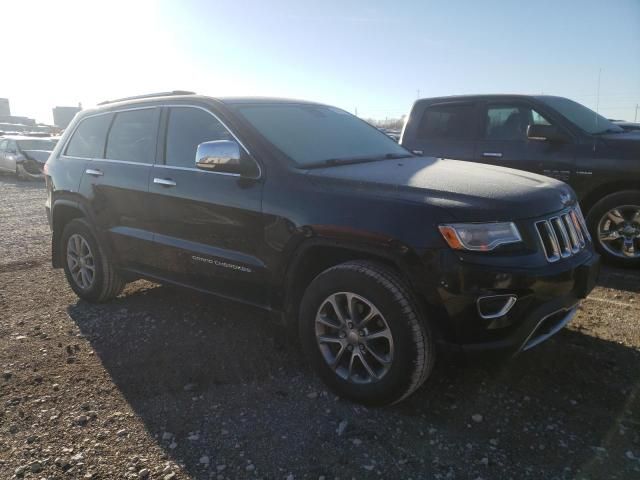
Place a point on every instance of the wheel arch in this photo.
(62, 212)
(597, 194)
(316, 255)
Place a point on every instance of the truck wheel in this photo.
(364, 334)
(614, 223)
(87, 267)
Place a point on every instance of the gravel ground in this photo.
(165, 383)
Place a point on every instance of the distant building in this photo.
(62, 116)
(17, 120)
(5, 110)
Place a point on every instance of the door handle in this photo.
(492, 154)
(165, 182)
(95, 173)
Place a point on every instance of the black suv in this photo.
(553, 136)
(373, 255)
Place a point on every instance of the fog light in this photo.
(495, 306)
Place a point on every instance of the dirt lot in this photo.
(163, 383)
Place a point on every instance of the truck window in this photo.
(88, 139)
(510, 122)
(451, 122)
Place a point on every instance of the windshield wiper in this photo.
(359, 159)
(356, 159)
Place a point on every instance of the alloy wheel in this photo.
(80, 261)
(619, 231)
(354, 338)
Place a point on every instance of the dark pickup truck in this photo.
(552, 136)
(373, 256)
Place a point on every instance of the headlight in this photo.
(481, 237)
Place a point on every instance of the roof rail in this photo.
(149, 95)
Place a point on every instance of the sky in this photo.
(370, 57)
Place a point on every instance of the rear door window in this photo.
(88, 139)
(447, 122)
(132, 137)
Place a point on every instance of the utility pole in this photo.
(635, 117)
(598, 96)
(356, 111)
(418, 94)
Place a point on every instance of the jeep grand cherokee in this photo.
(373, 255)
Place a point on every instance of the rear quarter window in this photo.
(89, 137)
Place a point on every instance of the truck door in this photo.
(445, 130)
(504, 142)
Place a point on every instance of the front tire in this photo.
(87, 266)
(614, 223)
(362, 330)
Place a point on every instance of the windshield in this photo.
(581, 116)
(37, 144)
(313, 135)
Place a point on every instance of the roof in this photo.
(263, 100)
(488, 96)
(183, 95)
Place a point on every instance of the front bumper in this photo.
(547, 300)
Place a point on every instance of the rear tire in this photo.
(379, 349)
(617, 214)
(87, 266)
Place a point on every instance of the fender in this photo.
(288, 286)
(74, 201)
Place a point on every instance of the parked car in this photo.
(372, 255)
(25, 156)
(552, 136)
(393, 134)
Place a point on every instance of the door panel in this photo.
(207, 225)
(3, 144)
(118, 187)
(504, 142)
(447, 130)
(208, 230)
(118, 194)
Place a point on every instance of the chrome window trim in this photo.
(124, 109)
(235, 137)
(194, 169)
(91, 115)
(108, 160)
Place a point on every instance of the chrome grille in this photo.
(562, 235)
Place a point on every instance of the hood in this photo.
(40, 156)
(468, 191)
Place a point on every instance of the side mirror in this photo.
(219, 156)
(547, 133)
